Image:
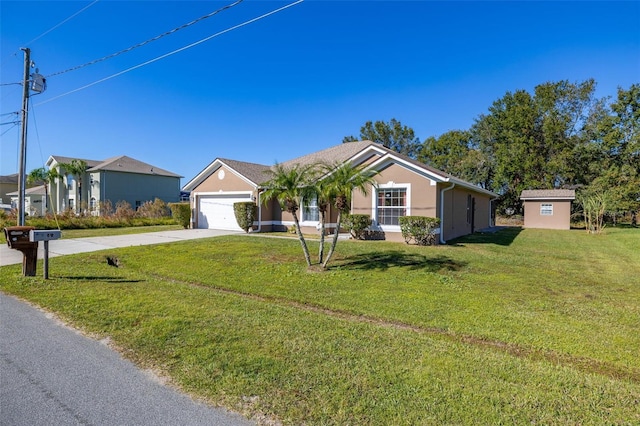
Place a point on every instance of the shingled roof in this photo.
(256, 173)
(130, 165)
(120, 163)
(335, 154)
(556, 194)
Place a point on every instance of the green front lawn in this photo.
(528, 326)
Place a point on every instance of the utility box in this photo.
(44, 235)
(18, 238)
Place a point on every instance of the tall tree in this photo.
(620, 137)
(342, 180)
(77, 168)
(455, 153)
(289, 185)
(532, 140)
(392, 135)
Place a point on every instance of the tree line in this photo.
(559, 136)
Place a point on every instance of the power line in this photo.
(188, 24)
(174, 51)
(63, 22)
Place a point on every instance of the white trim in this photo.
(221, 193)
(208, 171)
(374, 204)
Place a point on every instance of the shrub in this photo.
(155, 209)
(357, 225)
(124, 211)
(245, 212)
(419, 229)
(181, 212)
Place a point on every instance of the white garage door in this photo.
(216, 211)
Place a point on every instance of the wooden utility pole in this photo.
(22, 173)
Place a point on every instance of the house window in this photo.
(138, 204)
(546, 209)
(392, 203)
(71, 203)
(310, 211)
(92, 204)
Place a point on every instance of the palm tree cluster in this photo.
(330, 184)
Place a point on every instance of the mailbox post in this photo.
(46, 236)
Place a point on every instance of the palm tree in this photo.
(322, 191)
(45, 176)
(77, 168)
(289, 185)
(343, 179)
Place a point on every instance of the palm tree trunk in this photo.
(303, 243)
(322, 229)
(334, 241)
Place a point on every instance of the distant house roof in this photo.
(67, 160)
(9, 179)
(120, 163)
(36, 190)
(130, 165)
(556, 194)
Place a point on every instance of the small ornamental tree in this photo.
(245, 212)
(419, 229)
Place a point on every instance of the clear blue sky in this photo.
(292, 83)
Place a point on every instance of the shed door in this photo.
(216, 211)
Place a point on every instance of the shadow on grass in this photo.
(111, 280)
(502, 236)
(399, 259)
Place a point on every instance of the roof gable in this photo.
(253, 173)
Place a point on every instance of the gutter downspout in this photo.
(442, 191)
(259, 212)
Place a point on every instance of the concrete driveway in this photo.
(84, 245)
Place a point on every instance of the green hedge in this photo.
(357, 225)
(246, 212)
(181, 212)
(419, 229)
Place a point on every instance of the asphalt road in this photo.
(52, 375)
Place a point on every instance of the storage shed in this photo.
(547, 208)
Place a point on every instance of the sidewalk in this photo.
(83, 245)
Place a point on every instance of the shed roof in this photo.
(545, 194)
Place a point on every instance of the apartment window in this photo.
(546, 209)
(310, 211)
(392, 204)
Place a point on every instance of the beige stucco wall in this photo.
(230, 182)
(456, 221)
(561, 218)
